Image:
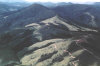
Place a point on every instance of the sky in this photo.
(74, 1)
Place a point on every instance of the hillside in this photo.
(50, 42)
(82, 14)
(28, 15)
(66, 35)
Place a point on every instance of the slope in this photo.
(51, 42)
(33, 13)
(82, 14)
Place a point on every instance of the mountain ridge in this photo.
(40, 36)
(33, 13)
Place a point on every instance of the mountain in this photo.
(52, 41)
(96, 3)
(6, 8)
(80, 13)
(18, 4)
(27, 15)
(10, 8)
(63, 35)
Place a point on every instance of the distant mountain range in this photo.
(6, 8)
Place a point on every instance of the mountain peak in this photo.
(36, 6)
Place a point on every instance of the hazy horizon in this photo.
(54, 1)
